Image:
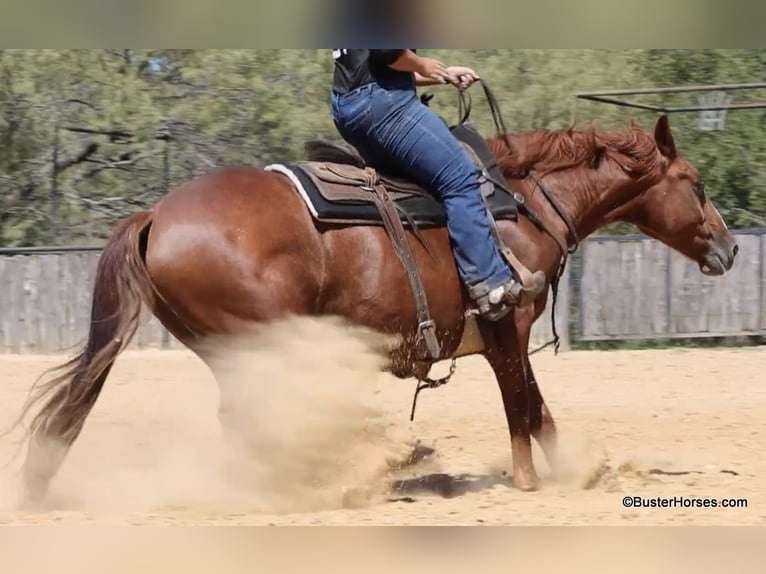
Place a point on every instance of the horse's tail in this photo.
(122, 284)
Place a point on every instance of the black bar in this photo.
(623, 103)
(48, 250)
(675, 90)
(675, 109)
(745, 106)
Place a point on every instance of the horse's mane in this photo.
(631, 148)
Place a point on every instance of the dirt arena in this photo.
(648, 424)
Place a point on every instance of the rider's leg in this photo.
(392, 126)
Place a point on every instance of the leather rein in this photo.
(464, 112)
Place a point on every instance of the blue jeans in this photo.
(392, 129)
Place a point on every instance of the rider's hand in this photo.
(464, 75)
(434, 70)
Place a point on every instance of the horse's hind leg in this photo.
(541, 423)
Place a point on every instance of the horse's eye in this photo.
(699, 189)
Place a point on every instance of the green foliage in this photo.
(91, 135)
(733, 162)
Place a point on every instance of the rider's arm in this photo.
(423, 81)
(404, 61)
(400, 60)
(407, 61)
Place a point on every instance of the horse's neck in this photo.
(587, 197)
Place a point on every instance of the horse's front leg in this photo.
(541, 423)
(504, 344)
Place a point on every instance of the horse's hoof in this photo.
(526, 481)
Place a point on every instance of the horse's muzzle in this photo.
(720, 257)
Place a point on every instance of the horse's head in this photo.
(677, 212)
(598, 177)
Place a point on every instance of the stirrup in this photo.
(494, 312)
(526, 293)
(494, 306)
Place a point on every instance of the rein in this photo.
(464, 112)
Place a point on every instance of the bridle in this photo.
(464, 113)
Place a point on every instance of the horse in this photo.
(237, 246)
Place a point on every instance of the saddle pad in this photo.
(353, 203)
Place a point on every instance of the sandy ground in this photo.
(152, 450)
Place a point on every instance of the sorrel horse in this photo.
(238, 246)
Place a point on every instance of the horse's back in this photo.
(222, 188)
(238, 244)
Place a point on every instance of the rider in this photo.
(376, 109)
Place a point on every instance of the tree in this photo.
(91, 135)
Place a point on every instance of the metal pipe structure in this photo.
(610, 97)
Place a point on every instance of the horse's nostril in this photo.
(735, 250)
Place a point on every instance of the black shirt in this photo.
(355, 68)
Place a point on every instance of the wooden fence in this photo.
(45, 304)
(616, 287)
(636, 288)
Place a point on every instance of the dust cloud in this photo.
(295, 428)
(301, 399)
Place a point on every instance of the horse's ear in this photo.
(664, 138)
